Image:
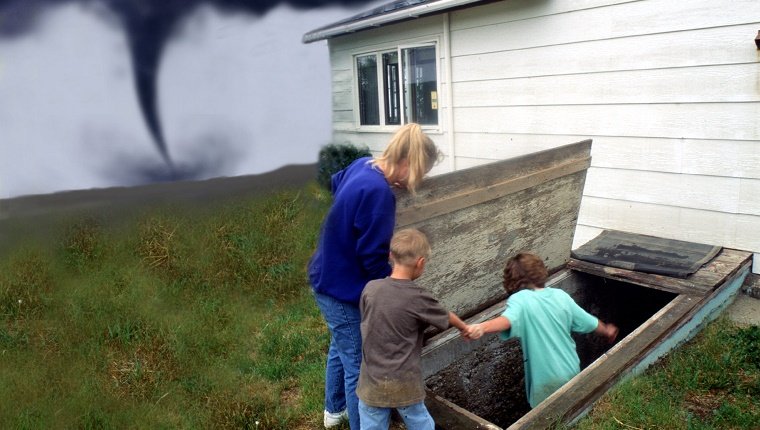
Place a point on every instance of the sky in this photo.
(102, 93)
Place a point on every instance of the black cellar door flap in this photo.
(647, 254)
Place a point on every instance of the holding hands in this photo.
(472, 332)
(476, 331)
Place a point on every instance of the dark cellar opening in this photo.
(489, 381)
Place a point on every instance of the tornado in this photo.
(147, 39)
(148, 26)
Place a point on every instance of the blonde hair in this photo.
(412, 144)
(408, 245)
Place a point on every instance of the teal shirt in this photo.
(542, 320)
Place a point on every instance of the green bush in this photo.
(334, 157)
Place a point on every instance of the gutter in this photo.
(413, 12)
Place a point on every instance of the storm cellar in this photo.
(658, 291)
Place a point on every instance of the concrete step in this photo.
(751, 286)
(745, 309)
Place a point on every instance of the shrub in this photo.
(334, 157)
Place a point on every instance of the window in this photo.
(408, 91)
(366, 67)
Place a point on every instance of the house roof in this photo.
(396, 11)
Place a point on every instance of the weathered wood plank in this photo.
(450, 416)
(442, 187)
(471, 243)
(705, 279)
(490, 192)
(659, 282)
(721, 267)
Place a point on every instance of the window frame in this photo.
(378, 53)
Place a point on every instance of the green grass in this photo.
(712, 382)
(180, 319)
(203, 319)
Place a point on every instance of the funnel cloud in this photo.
(148, 27)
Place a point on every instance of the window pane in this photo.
(420, 85)
(366, 68)
(390, 87)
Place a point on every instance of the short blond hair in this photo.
(412, 144)
(408, 245)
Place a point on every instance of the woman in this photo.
(353, 250)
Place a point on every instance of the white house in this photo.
(669, 91)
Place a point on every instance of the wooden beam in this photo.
(466, 199)
(705, 279)
(450, 416)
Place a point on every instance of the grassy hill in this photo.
(177, 318)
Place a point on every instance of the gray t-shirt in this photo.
(395, 313)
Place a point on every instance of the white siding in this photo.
(669, 90)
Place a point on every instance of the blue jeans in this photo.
(344, 357)
(416, 417)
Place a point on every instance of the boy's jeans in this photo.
(416, 417)
(344, 357)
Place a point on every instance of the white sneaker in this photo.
(334, 419)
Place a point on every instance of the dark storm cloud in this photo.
(149, 25)
(197, 162)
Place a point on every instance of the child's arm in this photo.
(495, 325)
(607, 331)
(457, 322)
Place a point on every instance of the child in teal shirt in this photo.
(542, 318)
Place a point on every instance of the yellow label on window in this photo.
(434, 99)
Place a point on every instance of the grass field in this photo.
(712, 382)
(202, 318)
(179, 319)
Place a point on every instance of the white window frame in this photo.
(383, 127)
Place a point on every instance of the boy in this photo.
(542, 318)
(395, 311)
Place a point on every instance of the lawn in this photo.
(176, 319)
(712, 382)
(202, 318)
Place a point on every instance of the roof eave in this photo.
(413, 12)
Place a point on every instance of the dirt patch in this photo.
(703, 404)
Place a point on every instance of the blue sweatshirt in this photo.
(356, 234)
